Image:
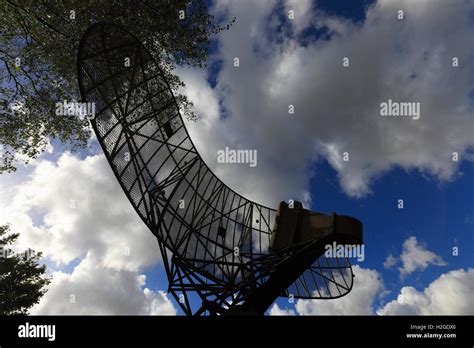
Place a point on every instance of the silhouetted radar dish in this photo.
(235, 254)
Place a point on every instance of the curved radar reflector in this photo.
(215, 243)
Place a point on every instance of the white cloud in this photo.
(96, 289)
(416, 257)
(71, 207)
(451, 293)
(336, 108)
(390, 261)
(360, 301)
(74, 209)
(302, 12)
(276, 310)
(242, 129)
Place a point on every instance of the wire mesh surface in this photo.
(213, 240)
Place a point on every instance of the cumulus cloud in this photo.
(223, 122)
(368, 285)
(74, 210)
(416, 257)
(70, 207)
(94, 289)
(276, 310)
(390, 261)
(337, 109)
(301, 15)
(451, 293)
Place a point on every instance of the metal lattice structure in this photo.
(214, 242)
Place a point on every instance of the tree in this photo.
(38, 45)
(21, 277)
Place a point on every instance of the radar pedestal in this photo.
(295, 226)
(302, 235)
